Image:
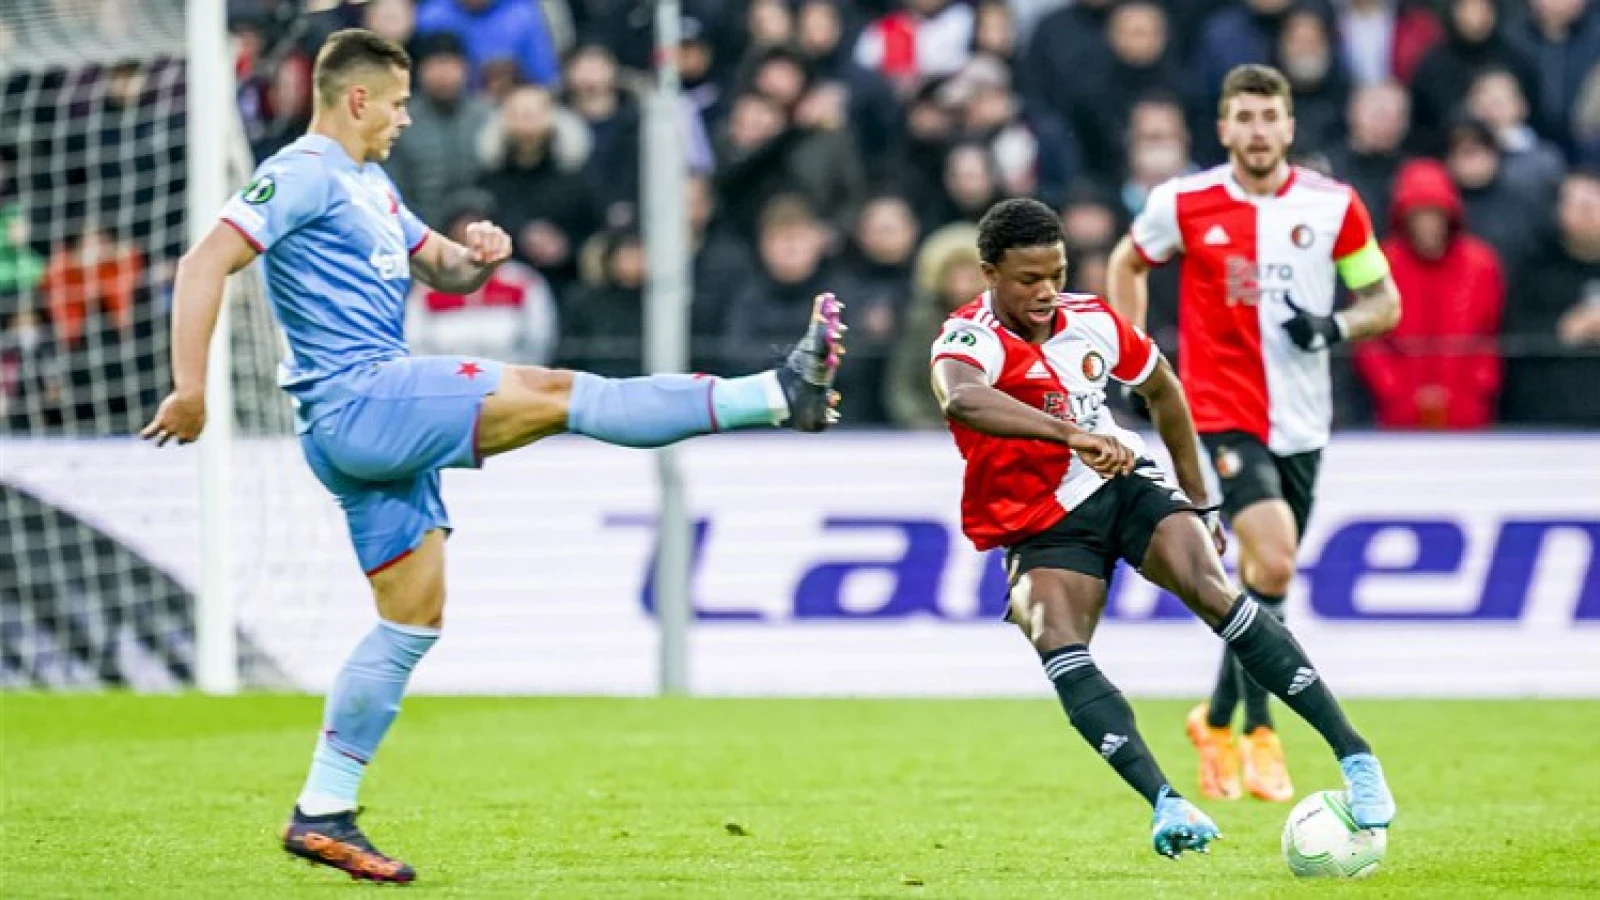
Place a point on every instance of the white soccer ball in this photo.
(1321, 839)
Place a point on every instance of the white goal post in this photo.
(212, 106)
(120, 139)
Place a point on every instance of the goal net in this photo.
(99, 545)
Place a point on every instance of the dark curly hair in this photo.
(1020, 222)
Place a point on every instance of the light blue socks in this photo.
(364, 701)
(657, 410)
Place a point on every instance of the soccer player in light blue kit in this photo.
(376, 424)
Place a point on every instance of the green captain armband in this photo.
(1363, 268)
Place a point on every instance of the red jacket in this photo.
(1441, 367)
(1416, 30)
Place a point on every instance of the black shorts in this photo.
(1116, 522)
(1249, 473)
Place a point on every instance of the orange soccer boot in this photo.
(1219, 757)
(1266, 776)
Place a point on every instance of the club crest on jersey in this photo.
(1094, 366)
(1227, 463)
(1302, 236)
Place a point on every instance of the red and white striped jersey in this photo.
(1016, 488)
(1242, 256)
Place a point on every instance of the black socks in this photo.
(1104, 718)
(1269, 654)
(1232, 683)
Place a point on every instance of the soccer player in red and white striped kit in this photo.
(1259, 243)
(1021, 374)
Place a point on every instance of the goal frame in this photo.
(213, 123)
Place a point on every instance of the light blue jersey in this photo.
(376, 424)
(336, 245)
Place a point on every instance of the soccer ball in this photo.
(1321, 839)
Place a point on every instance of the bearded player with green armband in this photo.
(1260, 243)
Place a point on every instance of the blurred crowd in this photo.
(852, 147)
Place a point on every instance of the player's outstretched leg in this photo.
(657, 410)
(1058, 609)
(1182, 559)
(663, 409)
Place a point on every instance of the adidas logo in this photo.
(1303, 678)
(1038, 371)
(1215, 236)
(1111, 744)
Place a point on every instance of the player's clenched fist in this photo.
(180, 417)
(1104, 453)
(488, 243)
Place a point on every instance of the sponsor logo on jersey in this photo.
(1244, 281)
(1302, 236)
(1094, 366)
(1250, 283)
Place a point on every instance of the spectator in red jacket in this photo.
(1440, 369)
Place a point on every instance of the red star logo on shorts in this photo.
(470, 370)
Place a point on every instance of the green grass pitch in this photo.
(122, 796)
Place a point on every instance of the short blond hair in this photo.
(349, 50)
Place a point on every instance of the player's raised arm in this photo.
(1376, 310)
(196, 299)
(456, 268)
(444, 264)
(965, 396)
(1365, 271)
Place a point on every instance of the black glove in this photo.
(1311, 333)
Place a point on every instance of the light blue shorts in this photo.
(379, 437)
